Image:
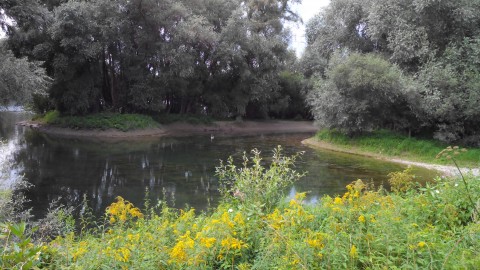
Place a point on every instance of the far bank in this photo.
(181, 129)
(397, 148)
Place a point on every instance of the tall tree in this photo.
(20, 79)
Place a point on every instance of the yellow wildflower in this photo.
(178, 253)
(233, 243)
(353, 251)
(122, 254)
(361, 218)
(295, 261)
(121, 210)
(338, 201)
(421, 244)
(208, 242)
(300, 196)
(275, 219)
(78, 253)
(239, 219)
(315, 243)
(226, 220)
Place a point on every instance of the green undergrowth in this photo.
(102, 121)
(395, 145)
(430, 227)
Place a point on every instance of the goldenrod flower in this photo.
(353, 251)
(361, 218)
(208, 242)
(338, 201)
(233, 243)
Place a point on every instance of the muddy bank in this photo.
(182, 129)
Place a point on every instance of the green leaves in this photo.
(361, 93)
(20, 78)
(255, 184)
(19, 251)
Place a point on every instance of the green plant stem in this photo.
(466, 186)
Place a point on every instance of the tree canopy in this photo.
(218, 57)
(431, 48)
(20, 80)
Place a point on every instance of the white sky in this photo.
(307, 9)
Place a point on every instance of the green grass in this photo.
(102, 121)
(395, 145)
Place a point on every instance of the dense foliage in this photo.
(434, 227)
(223, 58)
(409, 65)
(20, 80)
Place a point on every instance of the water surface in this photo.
(180, 170)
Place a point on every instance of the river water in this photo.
(180, 170)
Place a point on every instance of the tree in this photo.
(20, 79)
(360, 93)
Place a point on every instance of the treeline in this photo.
(410, 65)
(406, 65)
(224, 58)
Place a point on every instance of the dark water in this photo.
(179, 170)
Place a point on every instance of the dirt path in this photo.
(183, 129)
(444, 169)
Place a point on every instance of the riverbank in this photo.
(446, 170)
(257, 228)
(181, 129)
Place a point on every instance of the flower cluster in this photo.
(122, 210)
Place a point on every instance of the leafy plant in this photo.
(19, 251)
(401, 182)
(450, 153)
(254, 184)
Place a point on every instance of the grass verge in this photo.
(390, 144)
(102, 121)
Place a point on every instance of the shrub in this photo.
(360, 93)
(401, 182)
(253, 183)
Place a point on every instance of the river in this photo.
(180, 170)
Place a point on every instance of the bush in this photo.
(360, 93)
(253, 184)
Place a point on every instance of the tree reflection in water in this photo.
(178, 170)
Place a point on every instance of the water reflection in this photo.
(178, 170)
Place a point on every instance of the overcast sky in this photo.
(306, 10)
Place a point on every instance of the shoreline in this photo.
(446, 170)
(180, 129)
